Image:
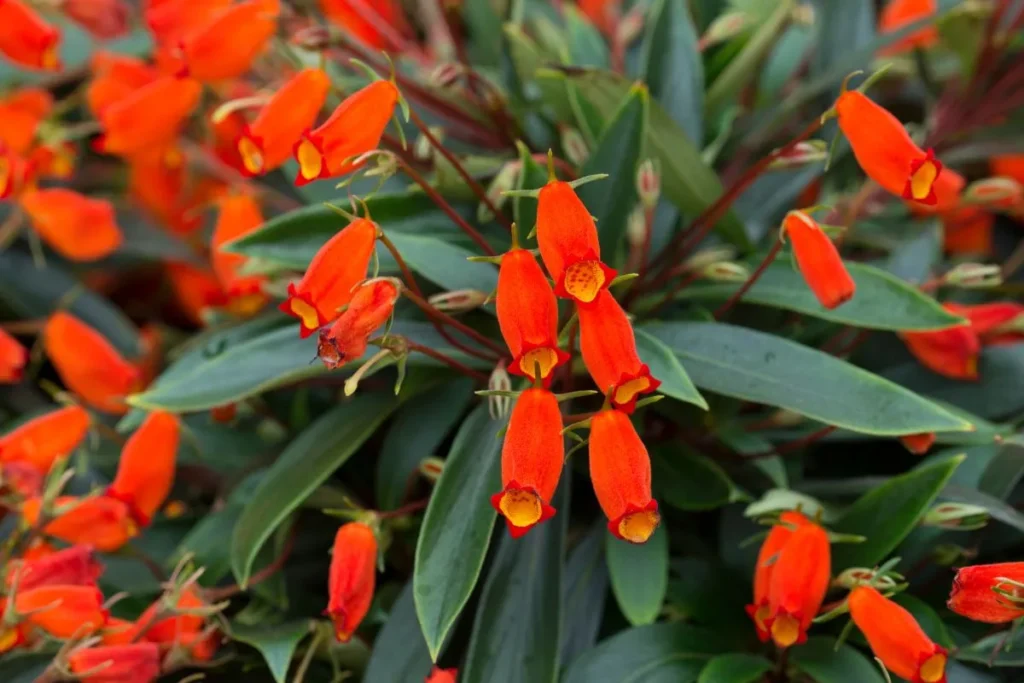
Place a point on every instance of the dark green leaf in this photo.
(754, 366)
(277, 643)
(587, 47)
(998, 509)
(690, 481)
(584, 587)
(527, 57)
(667, 368)
(205, 541)
(882, 302)
(24, 668)
(399, 652)
(516, 632)
(735, 667)
(444, 263)
(886, 514)
(639, 575)
(998, 649)
(457, 527)
(418, 429)
(306, 463)
(675, 71)
(1004, 472)
(843, 29)
(818, 659)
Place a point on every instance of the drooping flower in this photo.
(13, 358)
(567, 236)
(531, 461)
(528, 316)
(974, 592)
(114, 78)
(370, 307)
(159, 183)
(239, 215)
(355, 127)
(620, 470)
(128, 663)
(331, 278)
(145, 472)
(26, 39)
(185, 630)
(41, 440)
(88, 364)
(195, 289)
(79, 228)
(74, 566)
(608, 346)
(997, 322)
(900, 13)
(967, 230)
(271, 138)
(798, 585)
(886, 152)
(226, 45)
(169, 21)
(1008, 166)
(103, 19)
(952, 352)
(16, 173)
(21, 112)
(149, 117)
(353, 575)
(765, 567)
(364, 19)
(439, 675)
(896, 638)
(818, 259)
(918, 444)
(62, 611)
(102, 522)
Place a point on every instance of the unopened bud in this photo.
(974, 276)
(431, 468)
(725, 271)
(786, 418)
(998, 192)
(949, 554)
(802, 153)
(423, 149)
(636, 227)
(704, 258)
(723, 28)
(630, 27)
(803, 14)
(574, 146)
(503, 181)
(499, 406)
(458, 301)
(858, 576)
(313, 38)
(445, 74)
(957, 516)
(648, 183)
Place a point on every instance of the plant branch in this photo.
(750, 282)
(447, 360)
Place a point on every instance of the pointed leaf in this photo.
(639, 575)
(665, 366)
(399, 651)
(277, 643)
(735, 667)
(818, 659)
(584, 587)
(690, 481)
(675, 71)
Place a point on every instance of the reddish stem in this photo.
(407, 509)
(750, 282)
(443, 204)
(447, 360)
(217, 594)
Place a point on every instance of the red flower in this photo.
(41, 440)
(998, 322)
(896, 638)
(187, 631)
(103, 19)
(438, 675)
(330, 282)
(130, 663)
(148, 117)
(974, 592)
(528, 316)
(798, 585)
(13, 358)
(952, 352)
(352, 577)
(21, 112)
(765, 567)
(621, 473)
(145, 472)
(818, 259)
(365, 20)
(62, 611)
(900, 13)
(26, 39)
(79, 228)
(239, 215)
(609, 352)
(169, 21)
(115, 77)
(531, 461)
(1008, 166)
(74, 566)
(567, 236)
(225, 46)
(347, 339)
(918, 444)
(102, 522)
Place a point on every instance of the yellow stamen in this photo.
(246, 304)
(522, 508)
(311, 162)
(545, 358)
(922, 180)
(760, 614)
(584, 280)
(933, 669)
(307, 314)
(50, 58)
(251, 155)
(628, 391)
(637, 527)
(785, 630)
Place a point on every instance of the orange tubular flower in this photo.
(896, 638)
(149, 117)
(1000, 322)
(528, 316)
(239, 215)
(438, 675)
(115, 77)
(1008, 166)
(567, 236)
(77, 227)
(104, 523)
(145, 473)
(967, 230)
(609, 352)
(269, 141)
(13, 357)
(62, 611)
(819, 261)
(40, 441)
(330, 281)
(356, 21)
(888, 155)
(371, 306)
(15, 173)
(26, 39)
(227, 44)
(352, 577)
(171, 20)
(952, 352)
(918, 444)
(765, 567)
(159, 183)
(798, 585)
(87, 363)
(195, 289)
(74, 566)
(129, 663)
(20, 115)
(900, 13)
(355, 127)
(974, 592)
(531, 461)
(183, 630)
(621, 472)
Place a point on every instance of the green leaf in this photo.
(35, 293)
(659, 652)
(755, 366)
(843, 28)
(886, 514)
(527, 57)
(516, 631)
(690, 481)
(457, 527)
(277, 643)
(686, 180)
(618, 153)
(882, 301)
(306, 463)
(584, 587)
(587, 47)
(735, 667)
(205, 541)
(24, 668)
(673, 65)
(998, 509)
(399, 652)
(639, 575)
(745, 65)
(997, 649)
(444, 263)
(532, 176)
(417, 430)
(666, 367)
(818, 659)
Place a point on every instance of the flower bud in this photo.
(431, 468)
(818, 260)
(423, 148)
(858, 576)
(648, 183)
(630, 27)
(574, 146)
(989, 593)
(352, 578)
(707, 257)
(636, 227)
(117, 663)
(505, 179)
(438, 675)
(974, 276)
(458, 301)
(724, 27)
(918, 444)
(444, 75)
(726, 271)
(780, 533)
(998, 192)
(499, 406)
(801, 154)
(956, 516)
